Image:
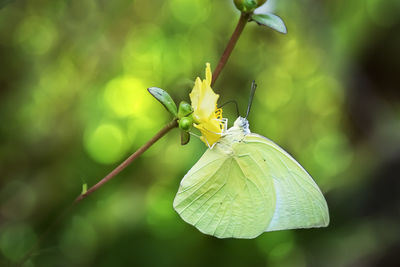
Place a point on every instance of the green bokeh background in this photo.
(73, 104)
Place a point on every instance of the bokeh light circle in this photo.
(105, 143)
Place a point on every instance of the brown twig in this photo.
(244, 18)
(91, 190)
(128, 161)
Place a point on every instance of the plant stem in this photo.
(244, 18)
(128, 161)
(91, 190)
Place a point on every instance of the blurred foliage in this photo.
(73, 103)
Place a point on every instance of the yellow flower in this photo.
(206, 115)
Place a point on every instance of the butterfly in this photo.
(246, 185)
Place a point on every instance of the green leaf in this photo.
(270, 20)
(164, 99)
(185, 137)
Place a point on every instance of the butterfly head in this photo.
(241, 124)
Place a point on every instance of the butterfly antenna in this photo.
(234, 102)
(253, 90)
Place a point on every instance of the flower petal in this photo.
(211, 131)
(208, 74)
(208, 102)
(205, 113)
(196, 96)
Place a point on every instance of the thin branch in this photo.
(244, 18)
(108, 177)
(128, 161)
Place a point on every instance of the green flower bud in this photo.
(248, 5)
(184, 109)
(185, 123)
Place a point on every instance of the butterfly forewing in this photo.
(299, 202)
(226, 195)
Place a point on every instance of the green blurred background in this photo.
(73, 104)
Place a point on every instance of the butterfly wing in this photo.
(299, 202)
(226, 195)
(254, 187)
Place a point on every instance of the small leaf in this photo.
(164, 99)
(270, 20)
(185, 137)
(84, 188)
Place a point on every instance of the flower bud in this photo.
(248, 5)
(185, 123)
(184, 109)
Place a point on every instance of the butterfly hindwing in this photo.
(226, 195)
(299, 202)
